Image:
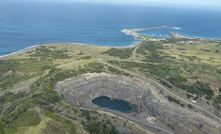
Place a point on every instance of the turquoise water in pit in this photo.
(114, 104)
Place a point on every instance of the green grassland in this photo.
(122, 53)
(193, 66)
(39, 109)
(190, 65)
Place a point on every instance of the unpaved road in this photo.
(101, 60)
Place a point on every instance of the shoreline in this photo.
(19, 51)
(135, 33)
(64, 43)
(130, 32)
(137, 41)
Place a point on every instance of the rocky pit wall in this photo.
(151, 103)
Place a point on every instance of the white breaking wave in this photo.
(136, 32)
(20, 51)
(176, 28)
(133, 32)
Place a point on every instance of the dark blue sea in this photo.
(24, 24)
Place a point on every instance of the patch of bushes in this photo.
(189, 96)
(9, 97)
(217, 102)
(86, 114)
(152, 48)
(30, 118)
(46, 53)
(172, 99)
(53, 127)
(165, 71)
(91, 68)
(116, 71)
(101, 128)
(45, 85)
(177, 80)
(130, 65)
(122, 53)
(86, 57)
(165, 83)
(17, 115)
(199, 89)
(13, 71)
(60, 125)
(218, 70)
(190, 106)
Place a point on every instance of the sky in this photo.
(185, 3)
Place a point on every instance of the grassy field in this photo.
(122, 53)
(190, 65)
(28, 103)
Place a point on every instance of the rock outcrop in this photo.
(149, 99)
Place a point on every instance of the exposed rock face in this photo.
(83, 90)
(149, 99)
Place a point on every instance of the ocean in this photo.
(23, 24)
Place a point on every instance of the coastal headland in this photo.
(174, 84)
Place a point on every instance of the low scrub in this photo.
(121, 53)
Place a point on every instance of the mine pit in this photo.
(136, 100)
(103, 90)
